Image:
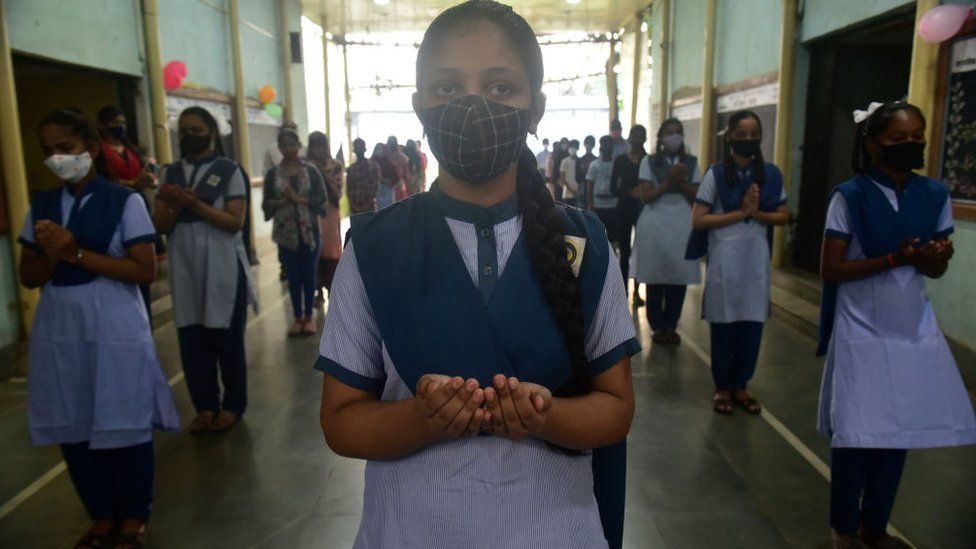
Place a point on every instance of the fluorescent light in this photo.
(381, 2)
(573, 1)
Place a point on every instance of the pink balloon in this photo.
(176, 67)
(943, 22)
(172, 82)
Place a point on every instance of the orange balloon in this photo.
(266, 94)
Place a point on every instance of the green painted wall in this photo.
(9, 319)
(687, 50)
(823, 17)
(954, 295)
(747, 37)
(197, 34)
(95, 33)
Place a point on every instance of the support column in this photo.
(784, 116)
(242, 134)
(157, 93)
(663, 62)
(345, 83)
(325, 69)
(705, 156)
(612, 90)
(638, 65)
(14, 172)
(922, 81)
(287, 94)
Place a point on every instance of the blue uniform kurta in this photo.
(94, 374)
(484, 491)
(890, 380)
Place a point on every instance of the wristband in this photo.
(892, 262)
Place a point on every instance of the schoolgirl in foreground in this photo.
(890, 382)
(738, 202)
(481, 308)
(201, 206)
(95, 384)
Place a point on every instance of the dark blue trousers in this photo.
(202, 349)
(735, 351)
(664, 304)
(863, 485)
(301, 265)
(610, 489)
(114, 483)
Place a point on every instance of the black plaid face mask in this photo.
(474, 138)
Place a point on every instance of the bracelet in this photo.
(892, 262)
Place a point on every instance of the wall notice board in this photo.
(957, 100)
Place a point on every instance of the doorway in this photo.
(847, 72)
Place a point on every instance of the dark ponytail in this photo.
(758, 163)
(543, 225)
(872, 126)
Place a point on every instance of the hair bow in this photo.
(861, 116)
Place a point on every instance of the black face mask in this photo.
(192, 145)
(118, 132)
(745, 147)
(474, 138)
(906, 156)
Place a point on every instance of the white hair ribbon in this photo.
(861, 116)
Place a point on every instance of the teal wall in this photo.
(9, 319)
(95, 33)
(687, 50)
(823, 17)
(747, 37)
(198, 35)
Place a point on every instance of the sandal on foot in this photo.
(295, 329)
(309, 327)
(225, 420)
(722, 402)
(202, 422)
(843, 541)
(133, 539)
(659, 337)
(674, 338)
(749, 404)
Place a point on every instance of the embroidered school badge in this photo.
(213, 180)
(575, 245)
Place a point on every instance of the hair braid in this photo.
(544, 230)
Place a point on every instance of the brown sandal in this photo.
(225, 420)
(133, 539)
(722, 402)
(202, 422)
(749, 404)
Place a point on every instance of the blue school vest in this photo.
(731, 197)
(879, 229)
(93, 226)
(433, 320)
(213, 184)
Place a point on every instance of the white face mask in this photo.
(69, 167)
(672, 143)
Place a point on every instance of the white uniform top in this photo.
(568, 168)
(204, 261)
(599, 173)
(890, 380)
(435, 497)
(662, 235)
(739, 273)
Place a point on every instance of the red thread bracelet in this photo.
(892, 262)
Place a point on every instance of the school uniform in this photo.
(663, 229)
(623, 180)
(890, 382)
(736, 298)
(604, 200)
(96, 386)
(434, 285)
(211, 286)
(297, 232)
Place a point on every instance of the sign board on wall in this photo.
(959, 145)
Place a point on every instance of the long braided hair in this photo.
(543, 225)
(758, 163)
(873, 126)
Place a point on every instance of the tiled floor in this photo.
(695, 479)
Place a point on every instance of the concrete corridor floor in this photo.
(695, 479)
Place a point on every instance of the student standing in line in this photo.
(542, 159)
(739, 201)
(391, 181)
(295, 197)
(567, 174)
(363, 180)
(320, 155)
(414, 171)
(890, 381)
(201, 206)
(583, 168)
(601, 198)
(621, 146)
(561, 150)
(624, 179)
(421, 358)
(669, 182)
(96, 387)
